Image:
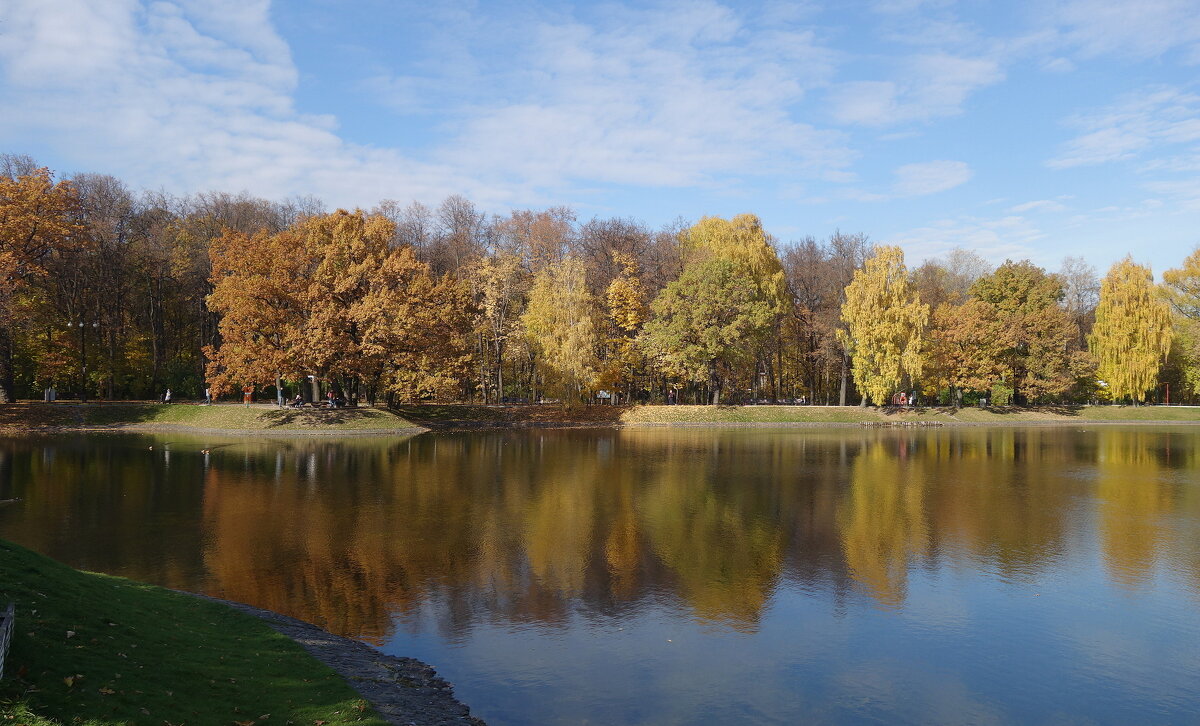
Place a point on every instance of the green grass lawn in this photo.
(749, 414)
(854, 414)
(93, 649)
(466, 415)
(231, 417)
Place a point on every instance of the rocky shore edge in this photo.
(405, 691)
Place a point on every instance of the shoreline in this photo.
(402, 690)
(883, 421)
(897, 425)
(267, 421)
(135, 428)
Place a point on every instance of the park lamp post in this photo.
(83, 355)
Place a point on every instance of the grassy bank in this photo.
(450, 416)
(221, 417)
(94, 649)
(233, 418)
(649, 415)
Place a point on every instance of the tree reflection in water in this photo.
(528, 527)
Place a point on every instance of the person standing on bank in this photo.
(207, 396)
(167, 396)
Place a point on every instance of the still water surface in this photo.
(1005, 575)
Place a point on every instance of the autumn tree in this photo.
(559, 323)
(1132, 334)
(501, 282)
(345, 253)
(627, 313)
(331, 297)
(258, 290)
(415, 329)
(1081, 292)
(817, 274)
(1181, 288)
(708, 321)
(1026, 301)
(36, 218)
(948, 279)
(885, 325)
(743, 241)
(966, 346)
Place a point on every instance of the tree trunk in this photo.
(8, 393)
(842, 392)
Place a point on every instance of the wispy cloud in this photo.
(1040, 205)
(995, 239)
(1142, 29)
(188, 96)
(1156, 117)
(202, 95)
(926, 86)
(930, 177)
(679, 95)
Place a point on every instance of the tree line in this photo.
(110, 293)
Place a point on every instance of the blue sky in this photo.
(1037, 130)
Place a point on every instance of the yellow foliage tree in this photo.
(559, 325)
(1181, 288)
(627, 312)
(1132, 334)
(743, 241)
(885, 324)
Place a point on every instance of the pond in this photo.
(692, 576)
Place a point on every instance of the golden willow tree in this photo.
(329, 297)
(1132, 335)
(559, 326)
(885, 324)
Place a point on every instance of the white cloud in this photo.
(678, 96)
(1040, 205)
(929, 177)
(996, 239)
(1058, 65)
(1185, 192)
(1157, 117)
(1142, 29)
(189, 95)
(928, 86)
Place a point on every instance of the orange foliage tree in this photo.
(36, 217)
(330, 297)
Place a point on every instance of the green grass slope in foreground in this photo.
(94, 649)
(228, 417)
